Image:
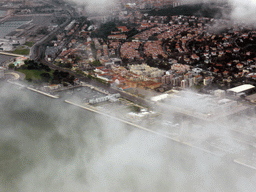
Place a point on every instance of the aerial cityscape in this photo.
(127, 95)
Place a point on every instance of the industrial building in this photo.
(241, 90)
(201, 106)
(10, 44)
(111, 98)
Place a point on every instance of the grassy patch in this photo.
(135, 108)
(29, 43)
(21, 51)
(34, 74)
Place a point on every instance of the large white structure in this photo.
(219, 93)
(111, 98)
(10, 44)
(159, 97)
(146, 70)
(180, 67)
(242, 89)
(70, 25)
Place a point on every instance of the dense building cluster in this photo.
(186, 50)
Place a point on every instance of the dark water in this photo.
(47, 145)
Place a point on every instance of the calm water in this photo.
(47, 145)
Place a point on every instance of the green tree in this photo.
(46, 77)
(11, 66)
(96, 63)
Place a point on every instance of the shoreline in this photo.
(143, 128)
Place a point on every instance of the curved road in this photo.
(17, 75)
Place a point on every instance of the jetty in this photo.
(244, 164)
(47, 94)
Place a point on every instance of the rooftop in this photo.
(241, 88)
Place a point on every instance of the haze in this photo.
(52, 146)
(243, 11)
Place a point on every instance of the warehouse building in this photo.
(241, 90)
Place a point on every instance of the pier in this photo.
(243, 164)
(47, 94)
(67, 88)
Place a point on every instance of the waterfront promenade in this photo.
(11, 54)
(142, 128)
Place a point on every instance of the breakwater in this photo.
(244, 164)
(47, 94)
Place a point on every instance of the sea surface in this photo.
(48, 145)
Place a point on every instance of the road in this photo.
(12, 54)
(15, 75)
(35, 51)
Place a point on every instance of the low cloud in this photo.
(243, 11)
(47, 145)
(96, 7)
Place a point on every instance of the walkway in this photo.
(16, 75)
(12, 54)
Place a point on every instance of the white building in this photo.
(242, 89)
(219, 93)
(146, 70)
(159, 97)
(11, 43)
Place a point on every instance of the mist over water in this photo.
(47, 145)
